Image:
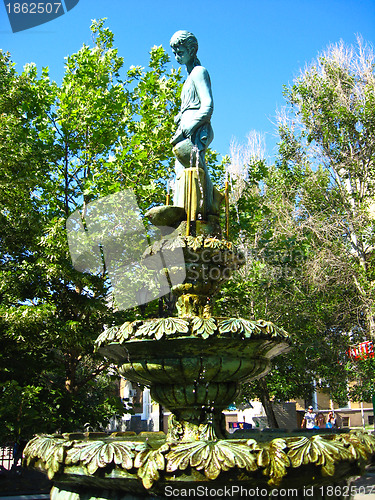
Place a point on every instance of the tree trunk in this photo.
(267, 405)
(70, 374)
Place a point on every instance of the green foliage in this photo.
(306, 226)
(62, 146)
(272, 284)
(19, 410)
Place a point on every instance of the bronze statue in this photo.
(194, 190)
(195, 197)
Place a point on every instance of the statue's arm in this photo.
(202, 115)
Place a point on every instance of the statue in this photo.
(195, 198)
(194, 190)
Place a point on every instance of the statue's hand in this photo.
(188, 130)
(178, 137)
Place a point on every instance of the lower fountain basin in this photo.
(124, 466)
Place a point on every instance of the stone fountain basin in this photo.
(180, 356)
(190, 359)
(146, 464)
(192, 350)
(187, 370)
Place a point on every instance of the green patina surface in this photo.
(149, 458)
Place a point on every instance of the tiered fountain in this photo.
(194, 364)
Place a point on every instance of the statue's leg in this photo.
(201, 198)
(203, 139)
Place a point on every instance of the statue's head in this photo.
(186, 40)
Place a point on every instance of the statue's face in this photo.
(182, 54)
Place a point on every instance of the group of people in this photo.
(311, 420)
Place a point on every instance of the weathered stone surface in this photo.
(139, 463)
(166, 215)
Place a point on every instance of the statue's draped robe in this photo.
(196, 111)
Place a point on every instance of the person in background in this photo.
(309, 418)
(320, 421)
(331, 420)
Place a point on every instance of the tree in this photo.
(307, 227)
(87, 138)
(272, 284)
(334, 102)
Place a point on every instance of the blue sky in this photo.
(251, 48)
